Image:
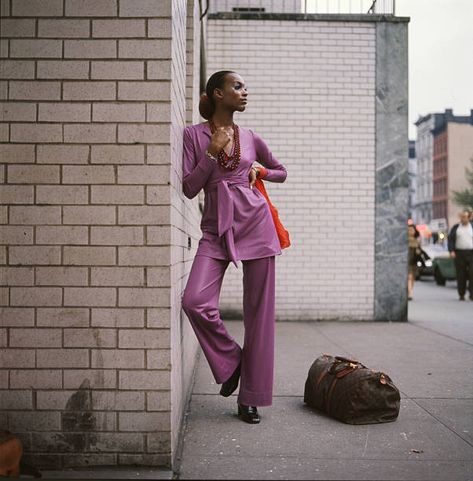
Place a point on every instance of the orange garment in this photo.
(282, 232)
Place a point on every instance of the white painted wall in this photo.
(312, 98)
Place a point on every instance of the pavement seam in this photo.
(311, 456)
(415, 324)
(441, 422)
(295, 395)
(430, 397)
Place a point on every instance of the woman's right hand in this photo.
(220, 139)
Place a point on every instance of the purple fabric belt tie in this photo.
(225, 210)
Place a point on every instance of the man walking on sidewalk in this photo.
(460, 246)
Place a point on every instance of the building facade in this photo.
(424, 177)
(443, 149)
(440, 177)
(452, 154)
(97, 237)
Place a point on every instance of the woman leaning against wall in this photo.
(219, 157)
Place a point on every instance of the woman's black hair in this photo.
(207, 103)
(416, 232)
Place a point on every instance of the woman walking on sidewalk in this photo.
(236, 225)
(414, 253)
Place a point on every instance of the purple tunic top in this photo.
(236, 223)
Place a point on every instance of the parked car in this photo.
(444, 270)
(443, 267)
(435, 260)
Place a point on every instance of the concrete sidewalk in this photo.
(430, 360)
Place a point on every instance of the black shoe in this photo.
(229, 386)
(462, 298)
(248, 414)
(471, 297)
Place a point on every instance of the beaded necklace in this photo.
(223, 157)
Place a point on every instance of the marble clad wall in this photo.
(392, 178)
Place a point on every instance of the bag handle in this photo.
(344, 365)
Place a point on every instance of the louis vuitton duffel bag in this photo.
(347, 390)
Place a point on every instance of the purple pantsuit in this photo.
(236, 225)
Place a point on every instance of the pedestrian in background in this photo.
(414, 253)
(237, 224)
(460, 246)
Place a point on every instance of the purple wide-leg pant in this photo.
(200, 301)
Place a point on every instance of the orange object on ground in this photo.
(283, 234)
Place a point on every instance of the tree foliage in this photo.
(465, 197)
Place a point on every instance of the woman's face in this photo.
(234, 95)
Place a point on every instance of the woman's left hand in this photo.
(253, 176)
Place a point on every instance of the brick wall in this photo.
(311, 88)
(91, 137)
(184, 214)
